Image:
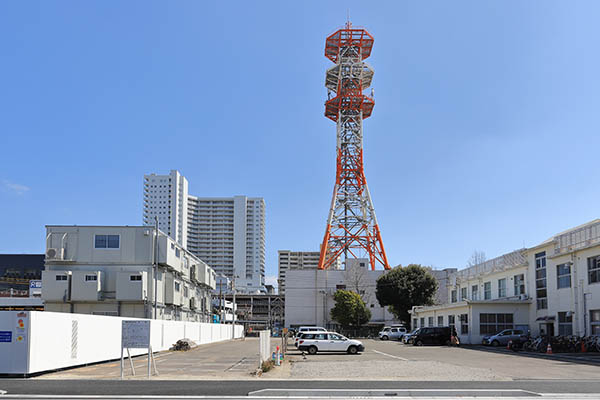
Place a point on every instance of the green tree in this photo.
(405, 287)
(349, 309)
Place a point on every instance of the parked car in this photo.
(407, 338)
(502, 338)
(329, 341)
(300, 335)
(432, 335)
(392, 332)
(311, 329)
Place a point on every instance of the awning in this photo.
(546, 318)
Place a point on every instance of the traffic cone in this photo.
(508, 345)
(549, 349)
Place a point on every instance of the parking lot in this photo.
(393, 360)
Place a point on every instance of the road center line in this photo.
(389, 355)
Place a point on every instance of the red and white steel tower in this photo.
(352, 229)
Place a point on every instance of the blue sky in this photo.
(485, 133)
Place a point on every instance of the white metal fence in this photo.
(35, 341)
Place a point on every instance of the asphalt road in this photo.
(242, 388)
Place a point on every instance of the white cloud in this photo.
(271, 280)
(15, 187)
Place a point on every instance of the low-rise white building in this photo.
(552, 288)
(109, 270)
(309, 294)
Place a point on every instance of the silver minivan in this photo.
(392, 332)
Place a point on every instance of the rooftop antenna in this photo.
(348, 23)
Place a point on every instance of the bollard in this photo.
(278, 360)
(508, 345)
(549, 349)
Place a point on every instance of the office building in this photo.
(552, 288)
(109, 270)
(294, 260)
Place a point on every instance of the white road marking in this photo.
(390, 355)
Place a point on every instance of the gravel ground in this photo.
(382, 369)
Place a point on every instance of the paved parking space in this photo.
(226, 360)
(393, 360)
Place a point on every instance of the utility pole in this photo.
(221, 301)
(155, 263)
(233, 323)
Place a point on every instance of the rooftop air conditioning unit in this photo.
(523, 297)
(55, 253)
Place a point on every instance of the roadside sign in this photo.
(135, 334)
(35, 288)
(5, 336)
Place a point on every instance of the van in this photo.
(432, 335)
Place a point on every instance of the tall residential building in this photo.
(166, 197)
(295, 260)
(229, 234)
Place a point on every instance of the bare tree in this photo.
(355, 277)
(478, 257)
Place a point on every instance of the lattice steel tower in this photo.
(352, 230)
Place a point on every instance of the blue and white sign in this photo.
(5, 336)
(35, 288)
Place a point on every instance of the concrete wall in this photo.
(309, 296)
(46, 341)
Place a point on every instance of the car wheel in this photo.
(419, 343)
(495, 343)
(312, 350)
(384, 338)
(352, 350)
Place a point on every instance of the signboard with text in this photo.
(135, 334)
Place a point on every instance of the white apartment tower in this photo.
(166, 197)
(228, 233)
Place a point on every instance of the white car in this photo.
(300, 335)
(310, 329)
(328, 341)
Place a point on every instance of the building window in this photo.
(464, 324)
(430, 321)
(490, 324)
(414, 325)
(519, 284)
(463, 293)
(61, 277)
(487, 291)
(177, 286)
(595, 322)
(451, 322)
(565, 323)
(501, 288)
(177, 252)
(340, 287)
(441, 320)
(453, 294)
(563, 276)
(475, 292)
(135, 277)
(594, 269)
(106, 241)
(422, 321)
(186, 292)
(89, 278)
(540, 281)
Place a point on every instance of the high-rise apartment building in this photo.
(295, 260)
(228, 233)
(166, 197)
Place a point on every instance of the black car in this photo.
(434, 335)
